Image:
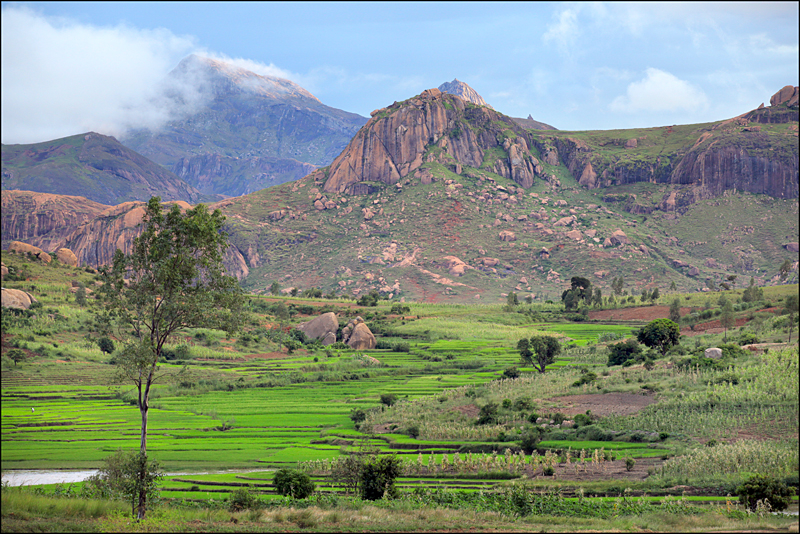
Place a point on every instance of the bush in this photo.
(511, 372)
(629, 464)
(403, 346)
(242, 499)
(388, 399)
(620, 353)
(530, 440)
(760, 488)
(378, 476)
(488, 414)
(293, 483)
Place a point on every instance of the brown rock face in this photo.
(18, 247)
(392, 144)
(43, 219)
(787, 95)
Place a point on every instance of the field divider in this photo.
(227, 484)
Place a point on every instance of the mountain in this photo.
(246, 131)
(438, 199)
(43, 219)
(91, 165)
(467, 93)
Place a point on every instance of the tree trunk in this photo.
(142, 507)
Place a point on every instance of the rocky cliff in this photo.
(93, 166)
(756, 152)
(432, 127)
(43, 219)
(261, 128)
(211, 173)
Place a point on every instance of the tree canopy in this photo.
(661, 334)
(539, 351)
(580, 292)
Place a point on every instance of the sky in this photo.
(72, 67)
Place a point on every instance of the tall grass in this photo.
(24, 502)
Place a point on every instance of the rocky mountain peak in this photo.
(226, 78)
(787, 95)
(459, 88)
(432, 128)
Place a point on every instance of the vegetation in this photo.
(472, 429)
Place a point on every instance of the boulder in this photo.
(631, 143)
(3, 270)
(321, 326)
(16, 298)
(791, 247)
(361, 338)
(67, 257)
(507, 235)
(714, 353)
(787, 94)
(329, 339)
(574, 234)
(619, 238)
(455, 266)
(18, 247)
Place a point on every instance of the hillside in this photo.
(248, 131)
(93, 166)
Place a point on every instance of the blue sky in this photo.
(72, 67)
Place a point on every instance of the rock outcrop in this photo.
(17, 247)
(463, 90)
(395, 141)
(43, 219)
(321, 328)
(358, 335)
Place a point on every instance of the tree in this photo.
(173, 278)
(752, 293)
(620, 353)
(16, 355)
(106, 345)
(294, 483)
(80, 295)
(512, 300)
(539, 351)
(673, 287)
(388, 399)
(727, 318)
(378, 475)
(617, 285)
(654, 296)
(580, 292)
(791, 307)
(275, 288)
(597, 298)
(661, 334)
(675, 311)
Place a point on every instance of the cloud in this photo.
(564, 30)
(61, 77)
(660, 91)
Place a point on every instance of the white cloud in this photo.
(61, 78)
(564, 30)
(660, 91)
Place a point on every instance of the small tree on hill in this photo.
(661, 334)
(539, 351)
(675, 311)
(617, 284)
(580, 292)
(727, 319)
(791, 307)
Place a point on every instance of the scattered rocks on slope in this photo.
(18, 247)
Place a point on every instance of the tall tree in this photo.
(675, 311)
(580, 292)
(172, 279)
(791, 307)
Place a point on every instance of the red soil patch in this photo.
(641, 313)
(602, 404)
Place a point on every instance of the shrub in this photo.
(629, 464)
(388, 399)
(620, 353)
(760, 488)
(548, 471)
(488, 414)
(511, 372)
(403, 346)
(293, 483)
(530, 440)
(378, 476)
(242, 499)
